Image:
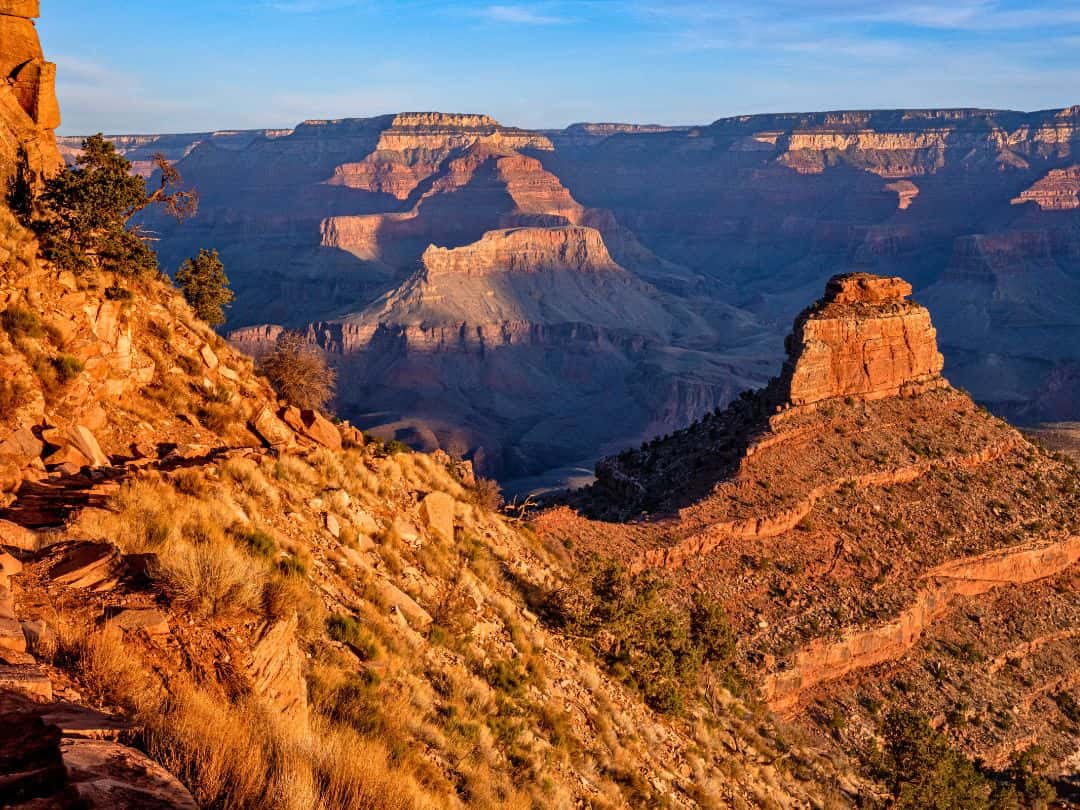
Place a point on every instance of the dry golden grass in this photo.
(213, 578)
(240, 755)
(182, 525)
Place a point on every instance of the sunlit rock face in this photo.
(862, 339)
(29, 111)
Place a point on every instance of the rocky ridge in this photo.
(855, 516)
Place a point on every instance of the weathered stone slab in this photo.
(27, 680)
(437, 511)
(107, 775)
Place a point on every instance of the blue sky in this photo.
(168, 66)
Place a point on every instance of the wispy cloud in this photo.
(520, 15)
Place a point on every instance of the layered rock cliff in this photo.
(29, 111)
(1059, 190)
(862, 339)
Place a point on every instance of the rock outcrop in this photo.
(29, 110)
(426, 140)
(525, 250)
(862, 339)
(857, 517)
(1059, 190)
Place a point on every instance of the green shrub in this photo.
(19, 321)
(86, 210)
(646, 636)
(923, 772)
(292, 567)
(261, 543)
(350, 631)
(67, 367)
(203, 281)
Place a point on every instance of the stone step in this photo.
(11, 636)
(29, 680)
(7, 602)
(16, 658)
(74, 720)
(92, 566)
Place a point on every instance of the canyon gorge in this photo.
(334, 227)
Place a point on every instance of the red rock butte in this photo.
(863, 339)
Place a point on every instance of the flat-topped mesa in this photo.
(525, 250)
(438, 120)
(863, 339)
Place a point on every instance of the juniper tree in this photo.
(205, 286)
(85, 212)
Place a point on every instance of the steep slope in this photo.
(878, 539)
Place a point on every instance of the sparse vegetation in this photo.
(924, 772)
(203, 281)
(86, 212)
(299, 373)
(644, 634)
(14, 394)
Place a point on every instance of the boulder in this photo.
(107, 775)
(96, 566)
(320, 429)
(22, 443)
(12, 535)
(77, 446)
(351, 436)
(312, 425)
(332, 524)
(406, 531)
(272, 430)
(208, 357)
(7, 603)
(437, 511)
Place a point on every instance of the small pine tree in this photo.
(298, 372)
(205, 286)
(85, 211)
